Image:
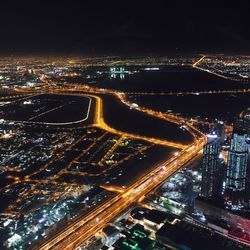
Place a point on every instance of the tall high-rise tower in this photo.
(236, 174)
(211, 185)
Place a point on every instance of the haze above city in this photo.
(128, 27)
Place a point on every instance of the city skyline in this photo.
(124, 125)
(72, 131)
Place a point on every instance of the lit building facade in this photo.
(211, 185)
(236, 174)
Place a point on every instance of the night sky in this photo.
(123, 27)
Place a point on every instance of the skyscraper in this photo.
(243, 122)
(236, 174)
(219, 130)
(211, 185)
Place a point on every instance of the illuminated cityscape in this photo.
(124, 128)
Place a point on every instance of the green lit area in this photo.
(131, 244)
(138, 239)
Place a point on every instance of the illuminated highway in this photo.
(184, 93)
(99, 116)
(79, 231)
(76, 231)
(86, 227)
(99, 122)
(196, 65)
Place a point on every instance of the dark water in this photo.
(170, 79)
(119, 116)
(224, 107)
